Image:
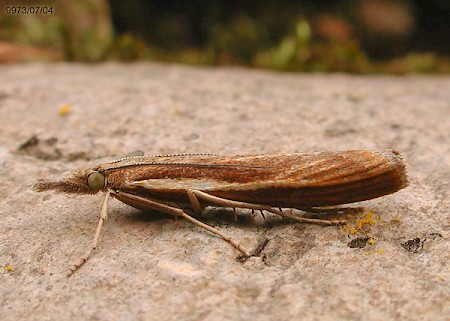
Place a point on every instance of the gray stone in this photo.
(148, 267)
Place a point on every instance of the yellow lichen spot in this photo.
(371, 241)
(396, 219)
(380, 251)
(368, 220)
(353, 231)
(175, 110)
(9, 268)
(368, 253)
(369, 217)
(350, 216)
(64, 110)
(441, 278)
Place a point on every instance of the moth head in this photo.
(82, 181)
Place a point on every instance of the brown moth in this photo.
(306, 181)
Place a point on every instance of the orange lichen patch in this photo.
(380, 251)
(64, 110)
(371, 241)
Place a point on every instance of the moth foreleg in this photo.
(230, 203)
(145, 203)
(103, 216)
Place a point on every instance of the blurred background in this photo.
(353, 36)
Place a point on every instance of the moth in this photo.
(172, 183)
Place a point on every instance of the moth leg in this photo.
(256, 251)
(229, 203)
(332, 210)
(196, 206)
(145, 203)
(103, 216)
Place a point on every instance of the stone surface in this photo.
(58, 117)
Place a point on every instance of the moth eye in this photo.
(96, 181)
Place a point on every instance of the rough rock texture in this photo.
(390, 262)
